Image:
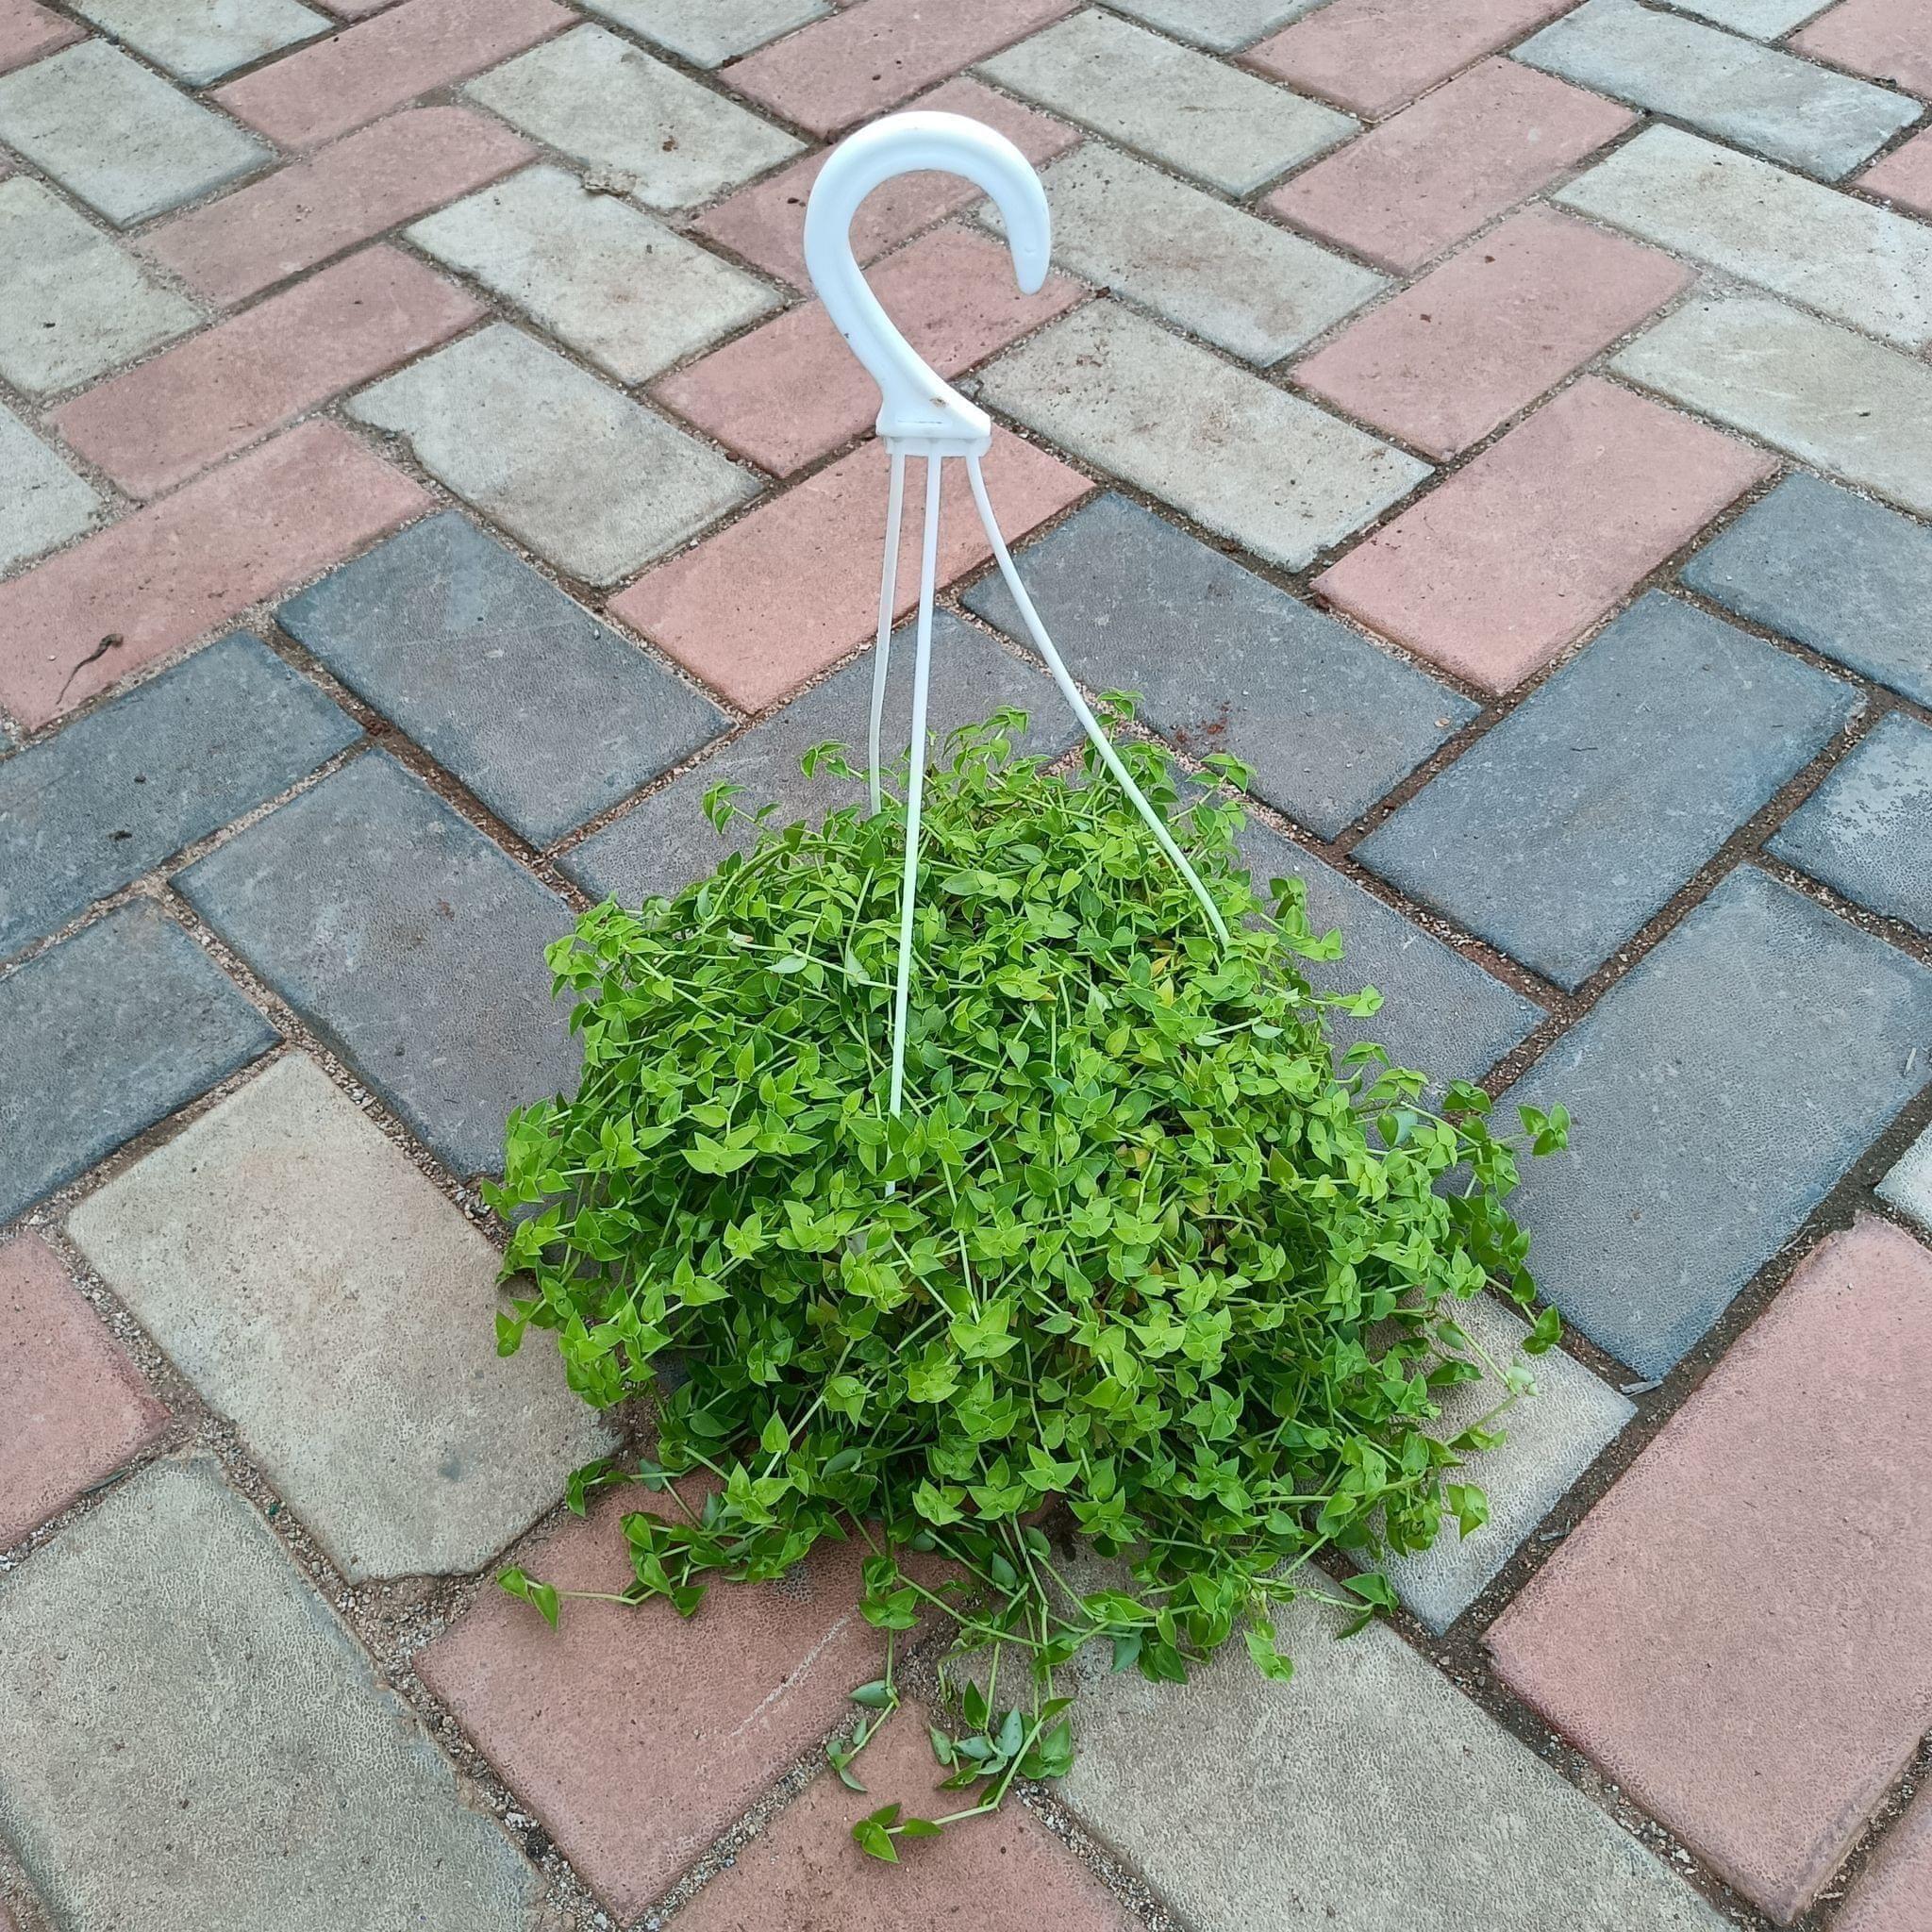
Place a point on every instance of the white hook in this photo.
(917, 408)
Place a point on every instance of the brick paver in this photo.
(1490, 332)
(1908, 1186)
(302, 215)
(229, 386)
(1889, 40)
(199, 1739)
(1683, 1177)
(409, 941)
(199, 41)
(75, 1408)
(87, 811)
(1573, 822)
(1898, 1881)
(710, 35)
(42, 501)
(1867, 831)
(1227, 128)
(1546, 531)
(545, 714)
(1221, 25)
(1225, 661)
(166, 574)
(29, 30)
(102, 1036)
(1763, 20)
(1728, 1634)
(1371, 57)
(1905, 175)
(283, 1253)
(792, 588)
(345, 81)
(578, 1719)
(790, 391)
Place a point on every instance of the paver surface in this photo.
(1505, 425)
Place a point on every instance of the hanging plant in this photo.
(1140, 1254)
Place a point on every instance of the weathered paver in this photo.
(198, 1740)
(789, 589)
(1225, 661)
(1441, 1014)
(351, 78)
(1280, 477)
(1763, 20)
(72, 303)
(102, 1036)
(583, 475)
(232, 385)
(1769, 226)
(27, 32)
(870, 58)
(1214, 270)
(1231, 129)
(607, 103)
(791, 390)
(313, 208)
(1758, 96)
(1463, 350)
(666, 842)
(1700, 1142)
(117, 135)
(765, 222)
(710, 35)
(409, 942)
(1889, 40)
(199, 41)
(1551, 1438)
(1842, 576)
(1353, 52)
(1867, 830)
(1220, 26)
(1570, 826)
(1817, 392)
(169, 573)
(547, 715)
(1908, 1186)
(321, 1293)
(616, 284)
(1439, 170)
(1890, 1891)
(804, 1874)
(635, 1736)
(88, 810)
(1905, 175)
(1727, 1633)
(42, 502)
(75, 1408)
(1367, 1795)
(1493, 572)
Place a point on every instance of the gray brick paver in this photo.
(199, 41)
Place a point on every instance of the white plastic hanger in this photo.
(921, 415)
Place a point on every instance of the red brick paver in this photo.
(1889, 40)
(27, 32)
(1492, 329)
(792, 390)
(161, 577)
(878, 53)
(1894, 1893)
(72, 1407)
(1441, 169)
(1373, 54)
(329, 87)
(794, 585)
(805, 1875)
(637, 1737)
(1736, 1633)
(360, 186)
(765, 223)
(222, 389)
(1905, 175)
(1509, 560)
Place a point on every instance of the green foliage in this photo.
(1138, 1251)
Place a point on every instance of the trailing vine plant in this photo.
(1142, 1253)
